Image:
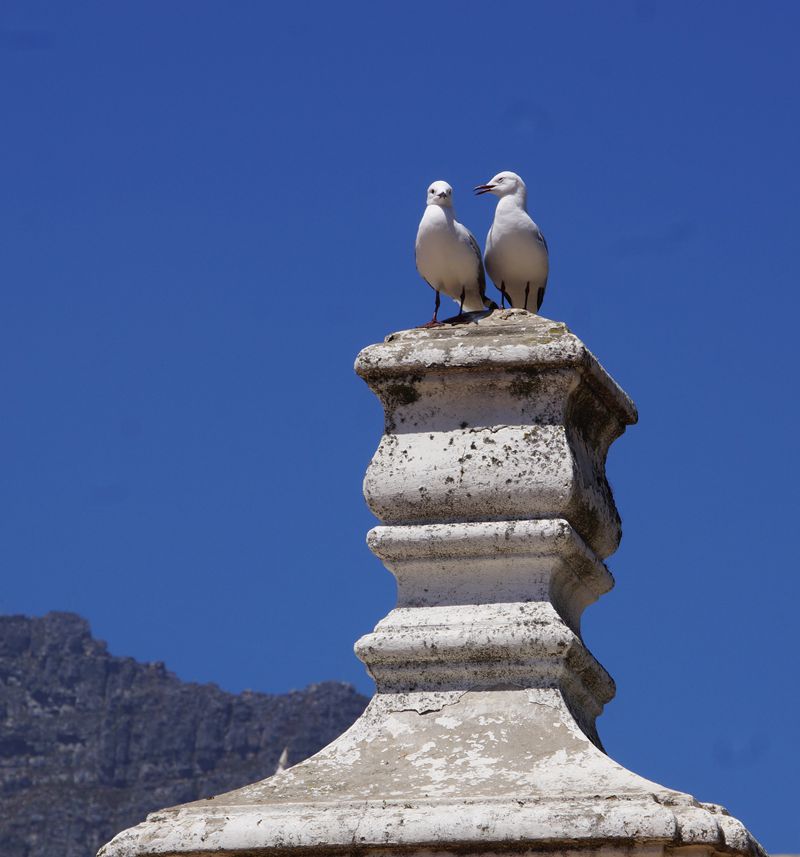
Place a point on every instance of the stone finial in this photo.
(496, 516)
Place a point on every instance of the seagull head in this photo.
(503, 184)
(440, 193)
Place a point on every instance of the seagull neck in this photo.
(440, 214)
(516, 200)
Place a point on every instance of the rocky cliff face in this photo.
(90, 743)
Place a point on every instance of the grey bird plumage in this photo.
(447, 255)
(517, 257)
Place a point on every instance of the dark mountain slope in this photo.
(90, 743)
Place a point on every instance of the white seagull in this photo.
(448, 257)
(516, 252)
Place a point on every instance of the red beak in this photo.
(483, 188)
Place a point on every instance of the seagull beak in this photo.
(483, 188)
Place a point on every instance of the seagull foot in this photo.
(467, 317)
(432, 323)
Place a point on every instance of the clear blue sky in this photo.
(209, 208)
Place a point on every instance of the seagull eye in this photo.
(499, 180)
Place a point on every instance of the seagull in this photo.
(448, 257)
(516, 252)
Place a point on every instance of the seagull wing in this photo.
(416, 265)
(479, 259)
(537, 233)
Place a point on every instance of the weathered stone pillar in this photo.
(496, 516)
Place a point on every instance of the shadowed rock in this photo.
(90, 743)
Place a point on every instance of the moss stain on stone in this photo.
(525, 384)
(401, 394)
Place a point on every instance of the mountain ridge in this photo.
(91, 742)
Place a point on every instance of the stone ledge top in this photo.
(536, 537)
(653, 823)
(504, 340)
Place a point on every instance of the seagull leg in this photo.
(462, 317)
(467, 317)
(502, 294)
(527, 292)
(434, 322)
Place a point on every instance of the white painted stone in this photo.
(496, 514)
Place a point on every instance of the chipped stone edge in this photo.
(456, 353)
(535, 537)
(470, 825)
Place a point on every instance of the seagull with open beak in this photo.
(448, 257)
(516, 252)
